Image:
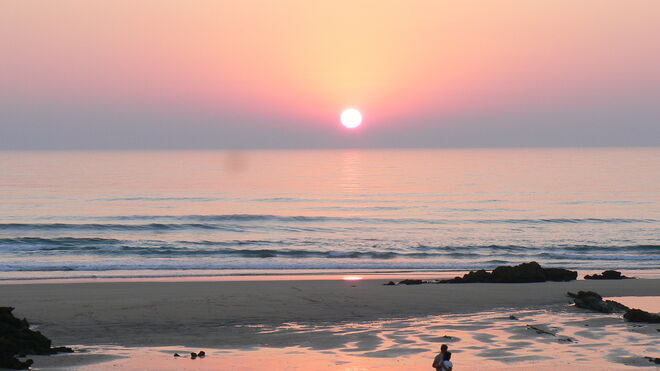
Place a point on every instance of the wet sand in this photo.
(360, 323)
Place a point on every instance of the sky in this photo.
(168, 74)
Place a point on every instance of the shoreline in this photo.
(173, 313)
(331, 323)
(286, 275)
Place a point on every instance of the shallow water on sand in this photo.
(179, 213)
(557, 338)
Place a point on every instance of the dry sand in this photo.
(344, 321)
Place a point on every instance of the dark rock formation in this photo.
(638, 315)
(177, 355)
(655, 360)
(201, 354)
(525, 272)
(607, 275)
(592, 301)
(411, 282)
(391, 283)
(16, 338)
(193, 355)
(471, 277)
(559, 274)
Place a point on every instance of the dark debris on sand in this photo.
(16, 339)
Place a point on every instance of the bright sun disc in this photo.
(351, 118)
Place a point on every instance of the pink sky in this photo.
(296, 64)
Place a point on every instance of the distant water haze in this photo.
(129, 214)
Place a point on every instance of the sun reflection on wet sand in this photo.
(352, 278)
(556, 338)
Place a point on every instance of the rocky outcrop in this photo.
(592, 301)
(16, 338)
(607, 275)
(638, 315)
(525, 272)
(411, 282)
(655, 360)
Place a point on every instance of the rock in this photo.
(607, 275)
(193, 355)
(16, 338)
(61, 350)
(525, 272)
(391, 283)
(411, 282)
(512, 317)
(471, 277)
(559, 274)
(177, 355)
(585, 295)
(201, 353)
(638, 315)
(14, 363)
(540, 330)
(592, 301)
(655, 360)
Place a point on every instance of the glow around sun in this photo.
(351, 118)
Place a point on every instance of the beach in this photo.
(320, 316)
(179, 252)
(329, 185)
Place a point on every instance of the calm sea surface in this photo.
(132, 214)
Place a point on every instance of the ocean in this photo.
(130, 214)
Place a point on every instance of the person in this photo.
(446, 364)
(437, 361)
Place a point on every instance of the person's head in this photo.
(446, 356)
(443, 348)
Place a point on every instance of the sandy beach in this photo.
(351, 317)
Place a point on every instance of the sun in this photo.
(351, 118)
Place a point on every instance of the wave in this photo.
(286, 218)
(160, 199)
(238, 222)
(70, 240)
(564, 248)
(116, 227)
(282, 248)
(267, 266)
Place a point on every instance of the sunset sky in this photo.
(161, 74)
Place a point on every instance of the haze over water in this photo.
(177, 213)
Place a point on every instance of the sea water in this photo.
(187, 213)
